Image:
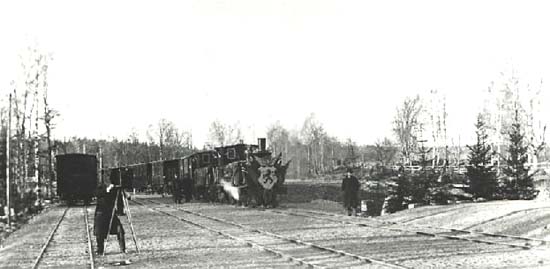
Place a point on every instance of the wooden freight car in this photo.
(76, 177)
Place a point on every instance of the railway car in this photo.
(241, 172)
(171, 174)
(202, 172)
(76, 177)
(157, 177)
(141, 176)
(127, 177)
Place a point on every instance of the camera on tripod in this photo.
(121, 178)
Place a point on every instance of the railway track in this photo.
(300, 251)
(69, 243)
(391, 242)
(440, 232)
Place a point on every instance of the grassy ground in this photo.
(328, 195)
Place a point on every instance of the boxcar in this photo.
(171, 174)
(141, 179)
(157, 177)
(76, 177)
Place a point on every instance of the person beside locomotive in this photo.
(350, 188)
(106, 197)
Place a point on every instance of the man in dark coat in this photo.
(350, 187)
(177, 190)
(104, 210)
(188, 188)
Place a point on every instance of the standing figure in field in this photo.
(104, 210)
(350, 187)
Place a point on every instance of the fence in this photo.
(544, 166)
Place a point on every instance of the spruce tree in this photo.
(424, 181)
(519, 183)
(480, 171)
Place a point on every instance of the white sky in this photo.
(120, 65)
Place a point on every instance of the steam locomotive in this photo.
(243, 173)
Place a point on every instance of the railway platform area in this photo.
(206, 235)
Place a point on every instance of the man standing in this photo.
(350, 187)
(177, 190)
(102, 218)
(187, 188)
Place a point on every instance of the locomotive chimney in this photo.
(261, 144)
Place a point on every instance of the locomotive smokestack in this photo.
(261, 144)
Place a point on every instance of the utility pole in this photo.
(8, 137)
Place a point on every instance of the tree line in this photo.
(509, 133)
(500, 164)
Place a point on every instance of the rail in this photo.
(53, 232)
(90, 251)
(364, 259)
(526, 242)
(50, 236)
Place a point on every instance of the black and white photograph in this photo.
(274, 134)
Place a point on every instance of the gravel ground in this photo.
(22, 247)
(166, 242)
(407, 249)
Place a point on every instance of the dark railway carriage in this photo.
(157, 177)
(76, 177)
(232, 160)
(234, 153)
(142, 173)
(241, 172)
(127, 177)
(203, 173)
(171, 174)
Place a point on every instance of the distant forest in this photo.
(420, 121)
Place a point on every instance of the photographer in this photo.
(104, 211)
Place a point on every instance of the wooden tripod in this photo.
(119, 192)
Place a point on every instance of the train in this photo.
(240, 173)
(77, 177)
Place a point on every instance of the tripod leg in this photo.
(112, 216)
(129, 217)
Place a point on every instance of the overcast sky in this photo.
(119, 65)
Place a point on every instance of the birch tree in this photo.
(221, 134)
(313, 135)
(406, 126)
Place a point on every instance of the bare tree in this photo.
(313, 135)
(278, 138)
(221, 134)
(171, 141)
(436, 111)
(406, 125)
(503, 97)
(385, 151)
(49, 116)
